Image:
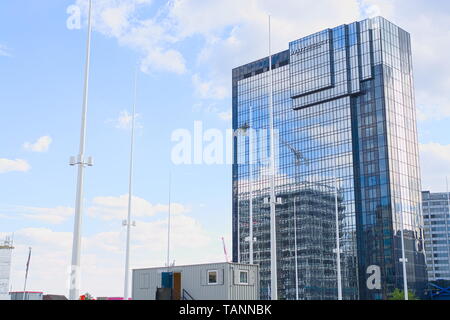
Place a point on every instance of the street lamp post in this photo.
(81, 162)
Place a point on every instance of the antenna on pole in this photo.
(129, 224)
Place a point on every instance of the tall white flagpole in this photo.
(169, 222)
(126, 294)
(273, 236)
(81, 163)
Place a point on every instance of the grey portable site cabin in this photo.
(214, 281)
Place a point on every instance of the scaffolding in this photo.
(316, 231)
(6, 247)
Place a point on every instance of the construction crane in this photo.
(225, 250)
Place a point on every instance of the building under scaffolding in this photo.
(314, 207)
(6, 247)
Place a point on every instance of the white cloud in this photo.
(235, 32)
(56, 215)
(435, 166)
(121, 19)
(116, 19)
(19, 165)
(110, 208)
(41, 145)
(186, 232)
(207, 90)
(124, 121)
(226, 116)
(5, 51)
(163, 60)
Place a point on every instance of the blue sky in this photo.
(185, 51)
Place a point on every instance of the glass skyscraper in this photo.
(436, 214)
(345, 120)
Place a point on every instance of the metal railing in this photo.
(187, 296)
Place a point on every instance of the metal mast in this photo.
(295, 248)
(126, 294)
(169, 222)
(338, 243)
(273, 236)
(250, 155)
(81, 163)
(403, 259)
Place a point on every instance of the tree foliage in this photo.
(87, 296)
(398, 294)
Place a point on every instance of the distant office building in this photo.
(54, 297)
(27, 295)
(214, 281)
(436, 215)
(344, 106)
(6, 248)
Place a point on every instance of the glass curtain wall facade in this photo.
(436, 214)
(344, 118)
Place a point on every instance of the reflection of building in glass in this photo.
(436, 214)
(344, 98)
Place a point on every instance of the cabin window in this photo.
(213, 277)
(243, 277)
